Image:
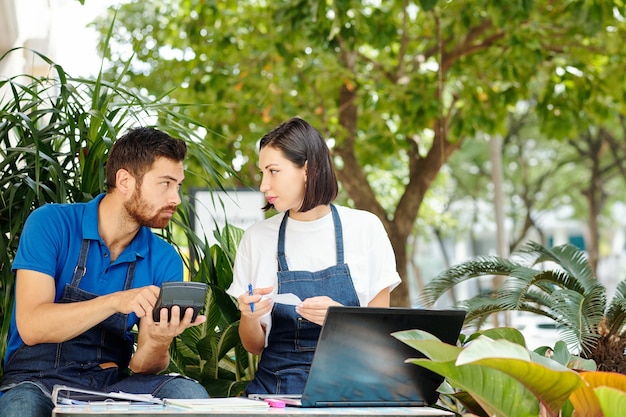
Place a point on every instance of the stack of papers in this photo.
(65, 396)
(216, 404)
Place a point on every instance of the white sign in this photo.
(240, 208)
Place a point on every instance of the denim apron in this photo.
(95, 360)
(285, 362)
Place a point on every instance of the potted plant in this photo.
(557, 283)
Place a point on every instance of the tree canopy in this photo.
(395, 86)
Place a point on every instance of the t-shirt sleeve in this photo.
(241, 268)
(382, 261)
(243, 275)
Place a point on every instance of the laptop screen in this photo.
(358, 363)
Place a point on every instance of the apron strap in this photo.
(338, 235)
(81, 268)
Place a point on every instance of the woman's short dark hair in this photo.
(301, 143)
(137, 150)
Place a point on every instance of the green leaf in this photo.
(507, 333)
(428, 344)
(551, 382)
(428, 5)
(498, 393)
(485, 347)
(612, 401)
(561, 353)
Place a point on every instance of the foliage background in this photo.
(55, 134)
(412, 95)
(399, 87)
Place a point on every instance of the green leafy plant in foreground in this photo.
(495, 375)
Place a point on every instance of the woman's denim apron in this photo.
(285, 362)
(96, 359)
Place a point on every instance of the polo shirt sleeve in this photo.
(40, 242)
(173, 267)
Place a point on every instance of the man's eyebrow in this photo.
(169, 177)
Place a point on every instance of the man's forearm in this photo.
(150, 360)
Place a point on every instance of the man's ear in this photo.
(124, 181)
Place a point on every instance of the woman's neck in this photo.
(311, 215)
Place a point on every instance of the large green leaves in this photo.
(503, 377)
(549, 381)
(496, 392)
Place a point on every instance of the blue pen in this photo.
(250, 292)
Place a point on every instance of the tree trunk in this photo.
(422, 173)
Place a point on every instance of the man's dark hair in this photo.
(300, 142)
(137, 150)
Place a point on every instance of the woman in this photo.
(324, 254)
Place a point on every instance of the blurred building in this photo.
(8, 30)
(56, 29)
(26, 24)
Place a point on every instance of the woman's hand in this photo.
(251, 329)
(261, 306)
(314, 309)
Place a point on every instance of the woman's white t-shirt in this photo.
(310, 246)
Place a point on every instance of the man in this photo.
(86, 273)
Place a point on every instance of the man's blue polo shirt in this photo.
(51, 241)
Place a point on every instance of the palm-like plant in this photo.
(557, 283)
(55, 134)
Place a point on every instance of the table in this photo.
(165, 411)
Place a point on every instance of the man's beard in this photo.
(139, 210)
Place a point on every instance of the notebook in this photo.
(357, 363)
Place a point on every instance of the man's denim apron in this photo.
(96, 359)
(285, 362)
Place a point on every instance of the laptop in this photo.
(357, 363)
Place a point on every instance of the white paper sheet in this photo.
(287, 298)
